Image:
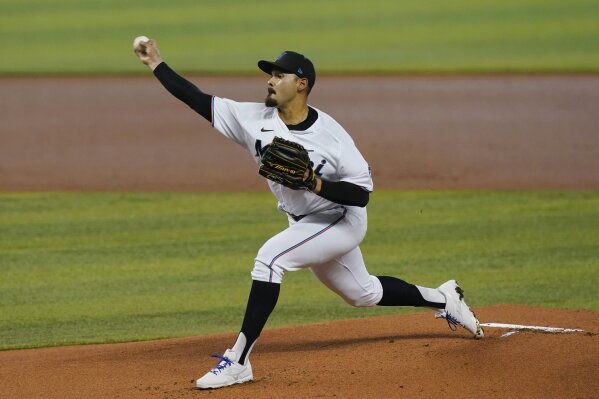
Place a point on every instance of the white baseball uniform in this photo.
(322, 235)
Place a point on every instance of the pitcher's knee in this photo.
(363, 301)
(262, 272)
(366, 296)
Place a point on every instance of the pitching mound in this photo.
(407, 356)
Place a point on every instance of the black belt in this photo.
(295, 217)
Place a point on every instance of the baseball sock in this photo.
(262, 301)
(397, 292)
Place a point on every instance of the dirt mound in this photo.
(407, 356)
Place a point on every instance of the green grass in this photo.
(382, 36)
(81, 268)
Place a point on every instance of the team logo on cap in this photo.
(299, 70)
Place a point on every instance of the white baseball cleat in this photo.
(456, 311)
(226, 372)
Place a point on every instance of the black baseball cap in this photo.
(291, 62)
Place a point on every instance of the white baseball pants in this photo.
(328, 244)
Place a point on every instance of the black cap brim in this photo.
(269, 66)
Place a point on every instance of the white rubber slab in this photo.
(536, 328)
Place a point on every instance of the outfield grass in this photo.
(382, 36)
(81, 268)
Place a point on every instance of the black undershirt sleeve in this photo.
(184, 90)
(344, 193)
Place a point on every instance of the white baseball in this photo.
(137, 42)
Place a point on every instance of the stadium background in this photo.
(118, 223)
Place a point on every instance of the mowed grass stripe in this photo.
(102, 267)
(68, 36)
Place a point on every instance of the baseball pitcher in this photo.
(322, 184)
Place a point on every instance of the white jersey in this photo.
(331, 149)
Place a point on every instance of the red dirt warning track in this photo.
(416, 132)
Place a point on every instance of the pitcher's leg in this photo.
(347, 276)
(234, 366)
(316, 239)
(397, 292)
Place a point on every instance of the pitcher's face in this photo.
(283, 88)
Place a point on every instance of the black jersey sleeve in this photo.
(344, 193)
(184, 90)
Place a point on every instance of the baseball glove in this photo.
(288, 163)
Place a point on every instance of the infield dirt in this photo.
(507, 132)
(407, 356)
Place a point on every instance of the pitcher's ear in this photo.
(302, 84)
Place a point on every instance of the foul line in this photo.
(536, 328)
